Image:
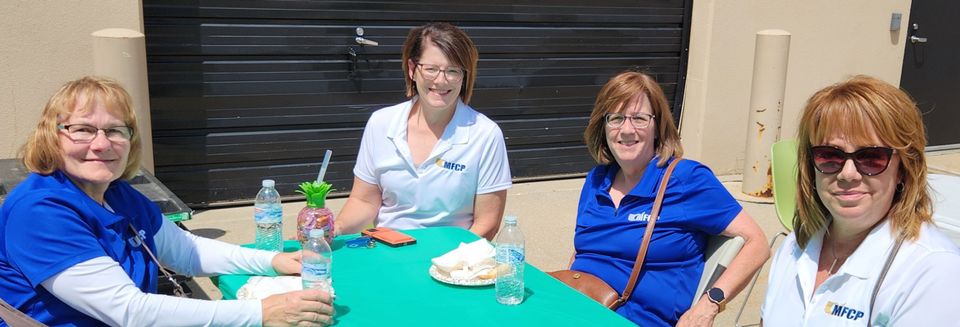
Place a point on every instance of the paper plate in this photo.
(435, 273)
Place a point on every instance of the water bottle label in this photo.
(517, 255)
(510, 254)
(316, 270)
(268, 214)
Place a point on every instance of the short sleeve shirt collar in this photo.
(107, 219)
(861, 264)
(457, 131)
(646, 187)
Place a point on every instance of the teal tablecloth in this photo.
(386, 286)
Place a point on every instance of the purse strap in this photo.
(647, 234)
(177, 289)
(16, 318)
(883, 274)
(13, 317)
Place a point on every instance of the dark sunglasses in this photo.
(869, 161)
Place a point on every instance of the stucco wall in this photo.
(831, 40)
(44, 44)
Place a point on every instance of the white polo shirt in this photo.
(920, 289)
(469, 159)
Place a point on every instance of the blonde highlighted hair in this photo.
(42, 153)
(857, 108)
(613, 97)
(455, 45)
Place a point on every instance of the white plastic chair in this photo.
(783, 168)
(719, 253)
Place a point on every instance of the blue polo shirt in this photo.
(607, 238)
(47, 224)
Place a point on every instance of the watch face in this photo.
(716, 294)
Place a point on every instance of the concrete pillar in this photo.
(766, 108)
(121, 54)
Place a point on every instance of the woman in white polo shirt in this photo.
(432, 160)
(862, 190)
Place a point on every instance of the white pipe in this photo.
(766, 108)
(121, 54)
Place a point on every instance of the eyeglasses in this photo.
(869, 161)
(431, 72)
(641, 120)
(85, 133)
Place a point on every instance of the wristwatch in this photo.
(716, 296)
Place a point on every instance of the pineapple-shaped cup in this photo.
(315, 214)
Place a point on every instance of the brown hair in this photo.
(453, 42)
(855, 108)
(42, 152)
(617, 93)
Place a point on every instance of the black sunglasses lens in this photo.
(872, 161)
(828, 160)
(868, 161)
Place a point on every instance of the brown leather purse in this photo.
(596, 288)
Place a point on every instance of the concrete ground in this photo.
(546, 212)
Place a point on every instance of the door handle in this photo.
(362, 41)
(914, 39)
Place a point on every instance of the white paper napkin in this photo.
(467, 260)
(260, 287)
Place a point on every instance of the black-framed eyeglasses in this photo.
(641, 120)
(452, 74)
(869, 161)
(84, 133)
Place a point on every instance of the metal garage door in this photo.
(245, 90)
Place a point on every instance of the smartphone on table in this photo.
(389, 236)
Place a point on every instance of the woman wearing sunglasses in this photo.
(432, 160)
(864, 250)
(632, 136)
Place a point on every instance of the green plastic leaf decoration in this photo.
(316, 193)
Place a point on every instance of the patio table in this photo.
(387, 285)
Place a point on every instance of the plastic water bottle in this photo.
(268, 215)
(317, 261)
(510, 254)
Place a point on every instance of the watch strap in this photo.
(721, 303)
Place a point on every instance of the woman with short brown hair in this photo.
(632, 136)
(432, 160)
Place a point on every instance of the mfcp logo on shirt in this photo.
(842, 311)
(643, 216)
(450, 165)
(136, 241)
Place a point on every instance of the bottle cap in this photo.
(268, 183)
(316, 232)
(510, 219)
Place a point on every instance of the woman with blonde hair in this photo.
(77, 241)
(864, 250)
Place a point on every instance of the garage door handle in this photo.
(913, 39)
(362, 41)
